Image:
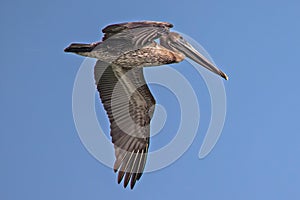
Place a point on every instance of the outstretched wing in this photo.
(129, 106)
(132, 35)
(144, 31)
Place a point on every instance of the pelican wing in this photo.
(135, 34)
(129, 106)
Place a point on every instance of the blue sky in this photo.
(255, 42)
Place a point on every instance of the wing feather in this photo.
(130, 36)
(129, 106)
(121, 27)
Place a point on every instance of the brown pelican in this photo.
(121, 55)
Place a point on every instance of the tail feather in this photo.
(80, 48)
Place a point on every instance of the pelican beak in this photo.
(190, 52)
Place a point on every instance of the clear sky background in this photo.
(255, 42)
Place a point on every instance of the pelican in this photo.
(121, 55)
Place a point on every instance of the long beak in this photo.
(190, 52)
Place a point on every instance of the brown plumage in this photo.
(123, 52)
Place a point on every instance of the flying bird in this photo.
(121, 55)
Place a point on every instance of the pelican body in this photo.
(121, 55)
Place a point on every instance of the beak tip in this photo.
(225, 76)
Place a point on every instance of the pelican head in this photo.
(177, 43)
